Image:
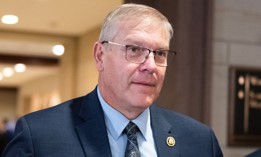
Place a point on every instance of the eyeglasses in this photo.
(136, 54)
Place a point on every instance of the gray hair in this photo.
(131, 11)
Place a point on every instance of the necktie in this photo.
(132, 149)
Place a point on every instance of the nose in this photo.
(149, 64)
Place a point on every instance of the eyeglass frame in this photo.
(155, 52)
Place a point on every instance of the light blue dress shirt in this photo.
(116, 122)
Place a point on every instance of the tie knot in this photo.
(131, 129)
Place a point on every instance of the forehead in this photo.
(141, 31)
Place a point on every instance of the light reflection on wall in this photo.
(40, 101)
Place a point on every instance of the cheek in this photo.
(161, 77)
(116, 70)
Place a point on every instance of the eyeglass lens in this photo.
(138, 54)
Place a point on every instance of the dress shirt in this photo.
(116, 122)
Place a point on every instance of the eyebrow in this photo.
(140, 44)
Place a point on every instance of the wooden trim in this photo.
(29, 60)
(14, 89)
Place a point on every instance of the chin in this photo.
(143, 102)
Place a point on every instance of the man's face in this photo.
(129, 87)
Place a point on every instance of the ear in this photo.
(98, 55)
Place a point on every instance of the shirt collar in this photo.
(116, 122)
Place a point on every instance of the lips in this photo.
(144, 83)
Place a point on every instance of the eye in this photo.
(134, 49)
(161, 53)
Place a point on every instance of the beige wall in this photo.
(236, 42)
(64, 80)
(41, 86)
(67, 72)
(87, 74)
(76, 74)
(8, 103)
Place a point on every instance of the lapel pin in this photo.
(170, 141)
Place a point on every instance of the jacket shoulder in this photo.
(180, 120)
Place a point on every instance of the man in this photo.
(131, 57)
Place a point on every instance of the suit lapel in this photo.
(162, 129)
(92, 131)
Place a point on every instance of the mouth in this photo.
(146, 84)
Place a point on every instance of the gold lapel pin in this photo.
(170, 141)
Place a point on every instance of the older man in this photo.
(119, 118)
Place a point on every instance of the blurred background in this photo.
(46, 56)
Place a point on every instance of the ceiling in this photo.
(58, 17)
(70, 17)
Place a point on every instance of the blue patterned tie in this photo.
(132, 149)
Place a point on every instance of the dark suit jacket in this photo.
(256, 153)
(76, 128)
